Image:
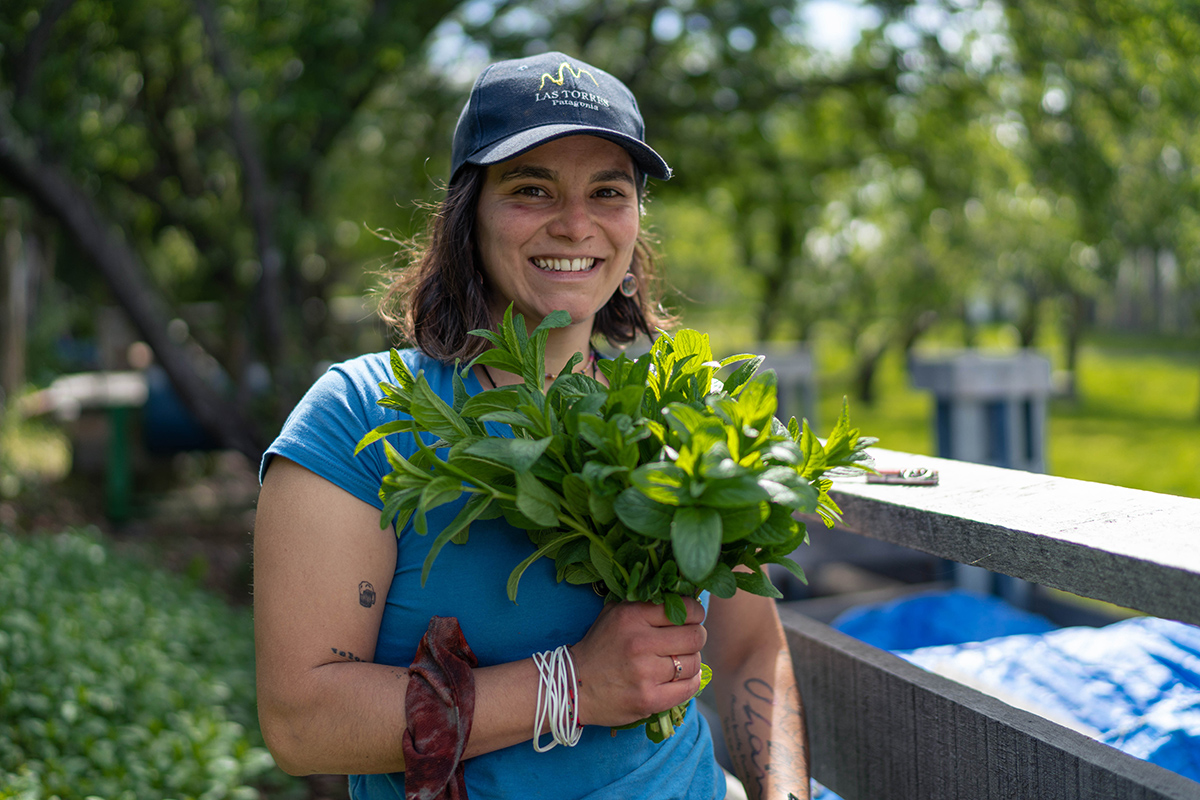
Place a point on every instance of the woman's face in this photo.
(556, 228)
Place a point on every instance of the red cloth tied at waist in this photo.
(439, 703)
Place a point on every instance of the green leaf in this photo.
(757, 400)
(601, 507)
(627, 400)
(662, 482)
(433, 414)
(735, 492)
(757, 583)
(641, 514)
(516, 454)
(500, 359)
(696, 541)
(792, 567)
(440, 491)
(740, 523)
(597, 474)
(684, 420)
(580, 574)
(721, 583)
(602, 562)
(491, 336)
(387, 429)
(743, 373)
(514, 577)
(401, 464)
(675, 608)
(489, 402)
(576, 493)
(471, 510)
(536, 501)
(799, 498)
(555, 319)
(814, 453)
(460, 388)
(779, 527)
(400, 372)
(398, 507)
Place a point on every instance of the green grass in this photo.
(1135, 423)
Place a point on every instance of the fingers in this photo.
(626, 662)
(657, 614)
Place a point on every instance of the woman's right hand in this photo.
(624, 664)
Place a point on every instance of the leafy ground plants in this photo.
(121, 681)
(655, 487)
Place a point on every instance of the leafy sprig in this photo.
(656, 486)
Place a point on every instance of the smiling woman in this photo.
(446, 687)
(561, 236)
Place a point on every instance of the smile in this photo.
(564, 264)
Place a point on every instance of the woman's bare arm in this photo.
(755, 692)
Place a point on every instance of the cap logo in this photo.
(575, 73)
(566, 96)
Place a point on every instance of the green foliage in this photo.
(656, 486)
(118, 681)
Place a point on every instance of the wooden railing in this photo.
(883, 729)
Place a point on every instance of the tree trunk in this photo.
(1072, 339)
(62, 199)
(775, 281)
(865, 369)
(14, 294)
(1027, 324)
(259, 198)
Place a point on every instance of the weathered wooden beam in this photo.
(881, 728)
(1136, 549)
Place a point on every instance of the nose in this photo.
(573, 221)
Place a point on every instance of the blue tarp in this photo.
(1134, 684)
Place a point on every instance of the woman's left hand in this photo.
(625, 665)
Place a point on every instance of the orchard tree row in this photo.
(260, 159)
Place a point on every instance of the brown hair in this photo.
(441, 295)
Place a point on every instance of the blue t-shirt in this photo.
(469, 582)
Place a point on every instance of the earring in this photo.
(629, 284)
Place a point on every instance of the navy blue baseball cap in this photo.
(520, 104)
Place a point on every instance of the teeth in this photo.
(564, 264)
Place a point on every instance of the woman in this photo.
(543, 213)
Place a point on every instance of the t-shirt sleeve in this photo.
(324, 428)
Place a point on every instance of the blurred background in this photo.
(198, 197)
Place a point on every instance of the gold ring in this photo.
(678, 669)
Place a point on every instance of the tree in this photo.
(182, 148)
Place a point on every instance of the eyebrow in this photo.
(527, 171)
(542, 173)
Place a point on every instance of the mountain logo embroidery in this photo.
(569, 96)
(565, 67)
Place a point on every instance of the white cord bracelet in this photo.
(556, 699)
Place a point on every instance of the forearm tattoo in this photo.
(347, 655)
(766, 740)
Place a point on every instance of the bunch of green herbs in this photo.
(654, 487)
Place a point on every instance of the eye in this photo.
(609, 192)
(531, 191)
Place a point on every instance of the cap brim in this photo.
(650, 162)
